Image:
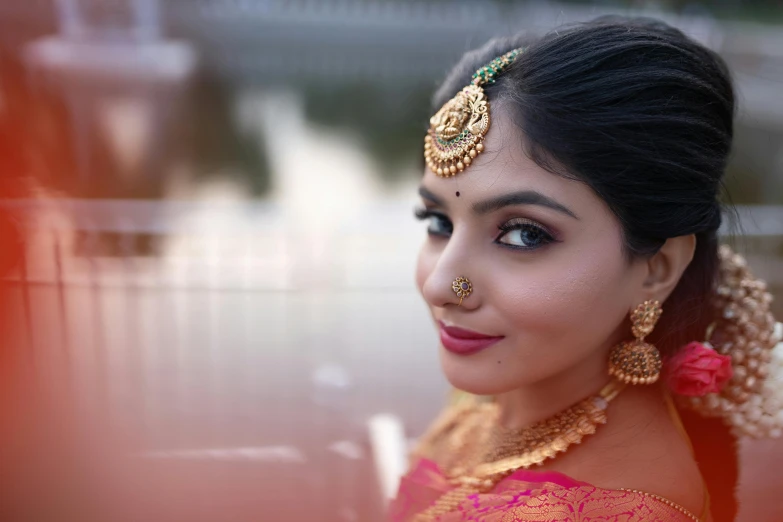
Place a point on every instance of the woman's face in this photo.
(544, 255)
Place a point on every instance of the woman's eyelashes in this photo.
(439, 224)
(523, 234)
(517, 233)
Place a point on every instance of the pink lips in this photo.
(464, 342)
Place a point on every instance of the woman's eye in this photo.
(524, 235)
(439, 225)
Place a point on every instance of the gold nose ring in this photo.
(462, 287)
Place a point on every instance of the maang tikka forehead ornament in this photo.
(457, 130)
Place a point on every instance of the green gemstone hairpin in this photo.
(457, 130)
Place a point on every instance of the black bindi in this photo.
(458, 193)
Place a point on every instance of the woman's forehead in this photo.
(500, 171)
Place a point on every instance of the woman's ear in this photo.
(666, 267)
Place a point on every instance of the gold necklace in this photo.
(475, 458)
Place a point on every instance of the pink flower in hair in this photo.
(697, 370)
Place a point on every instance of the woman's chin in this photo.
(472, 376)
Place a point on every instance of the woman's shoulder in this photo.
(592, 503)
(653, 483)
(653, 466)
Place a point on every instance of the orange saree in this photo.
(533, 496)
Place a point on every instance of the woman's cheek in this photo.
(552, 302)
(533, 308)
(424, 264)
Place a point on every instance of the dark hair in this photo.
(644, 116)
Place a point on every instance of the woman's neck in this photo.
(527, 405)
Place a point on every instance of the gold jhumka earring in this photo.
(637, 362)
(457, 130)
(462, 287)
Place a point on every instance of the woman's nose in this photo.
(449, 283)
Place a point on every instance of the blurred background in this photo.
(212, 202)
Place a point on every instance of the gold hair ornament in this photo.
(457, 130)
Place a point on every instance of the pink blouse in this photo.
(533, 496)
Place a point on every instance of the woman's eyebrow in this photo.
(525, 197)
(426, 194)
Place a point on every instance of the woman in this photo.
(573, 271)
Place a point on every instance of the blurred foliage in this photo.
(389, 122)
(213, 142)
(767, 11)
(743, 186)
(752, 174)
(204, 136)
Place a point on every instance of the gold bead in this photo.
(440, 171)
(585, 427)
(536, 455)
(571, 436)
(467, 160)
(453, 169)
(460, 166)
(473, 153)
(479, 147)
